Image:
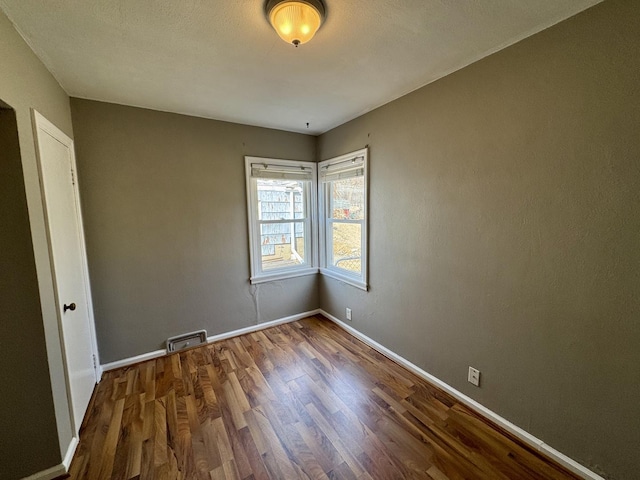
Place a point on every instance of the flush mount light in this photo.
(296, 21)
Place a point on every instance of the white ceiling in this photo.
(221, 59)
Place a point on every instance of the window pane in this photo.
(347, 249)
(280, 199)
(279, 248)
(347, 198)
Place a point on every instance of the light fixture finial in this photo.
(295, 21)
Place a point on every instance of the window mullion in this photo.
(275, 222)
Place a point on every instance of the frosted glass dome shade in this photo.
(295, 21)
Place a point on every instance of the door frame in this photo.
(41, 123)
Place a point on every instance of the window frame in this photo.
(257, 274)
(325, 221)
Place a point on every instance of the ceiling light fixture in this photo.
(296, 21)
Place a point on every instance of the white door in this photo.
(66, 242)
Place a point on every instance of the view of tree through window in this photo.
(343, 212)
(347, 212)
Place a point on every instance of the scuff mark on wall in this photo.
(254, 291)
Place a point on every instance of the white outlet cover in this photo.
(348, 313)
(474, 376)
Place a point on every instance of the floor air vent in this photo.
(186, 340)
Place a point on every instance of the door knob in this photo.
(71, 306)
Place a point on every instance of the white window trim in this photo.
(257, 275)
(344, 278)
(360, 281)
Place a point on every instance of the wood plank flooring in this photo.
(303, 400)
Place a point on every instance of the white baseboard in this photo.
(262, 326)
(214, 338)
(58, 470)
(125, 362)
(48, 474)
(99, 372)
(523, 435)
(66, 461)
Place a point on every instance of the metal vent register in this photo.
(186, 340)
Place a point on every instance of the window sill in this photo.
(272, 277)
(345, 279)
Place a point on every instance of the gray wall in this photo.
(504, 235)
(163, 199)
(504, 223)
(23, 356)
(29, 441)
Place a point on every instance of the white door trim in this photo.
(40, 123)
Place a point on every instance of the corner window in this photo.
(343, 218)
(281, 202)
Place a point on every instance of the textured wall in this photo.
(504, 221)
(29, 440)
(27, 406)
(166, 225)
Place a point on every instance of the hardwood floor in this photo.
(302, 400)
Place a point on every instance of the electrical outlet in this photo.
(474, 376)
(348, 313)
